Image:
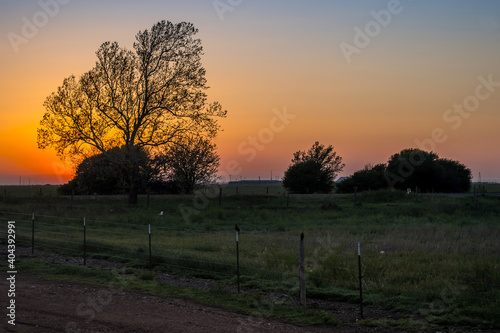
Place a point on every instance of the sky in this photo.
(368, 77)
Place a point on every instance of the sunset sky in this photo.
(369, 77)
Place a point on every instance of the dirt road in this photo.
(53, 306)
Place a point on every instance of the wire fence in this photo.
(270, 261)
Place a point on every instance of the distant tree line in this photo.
(193, 161)
(411, 168)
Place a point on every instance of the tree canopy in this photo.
(313, 171)
(369, 178)
(98, 175)
(412, 168)
(150, 97)
(192, 162)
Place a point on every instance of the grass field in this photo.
(486, 187)
(438, 258)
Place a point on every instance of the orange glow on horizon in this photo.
(22, 157)
(392, 95)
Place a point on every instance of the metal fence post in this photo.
(237, 257)
(302, 272)
(360, 283)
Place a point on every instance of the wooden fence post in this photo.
(84, 243)
(302, 273)
(220, 196)
(150, 257)
(237, 256)
(32, 233)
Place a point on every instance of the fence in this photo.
(269, 261)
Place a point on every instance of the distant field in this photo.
(227, 190)
(438, 257)
(488, 187)
(28, 191)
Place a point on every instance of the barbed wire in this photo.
(328, 261)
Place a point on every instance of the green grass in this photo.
(437, 258)
(486, 187)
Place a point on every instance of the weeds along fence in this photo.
(435, 283)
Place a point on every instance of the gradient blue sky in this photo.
(276, 55)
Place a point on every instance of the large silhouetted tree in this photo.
(141, 99)
(414, 167)
(313, 171)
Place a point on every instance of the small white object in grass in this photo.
(382, 252)
(160, 213)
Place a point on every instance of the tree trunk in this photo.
(134, 181)
(133, 192)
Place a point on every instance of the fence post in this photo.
(33, 233)
(237, 257)
(302, 273)
(287, 196)
(360, 283)
(220, 196)
(150, 257)
(84, 242)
